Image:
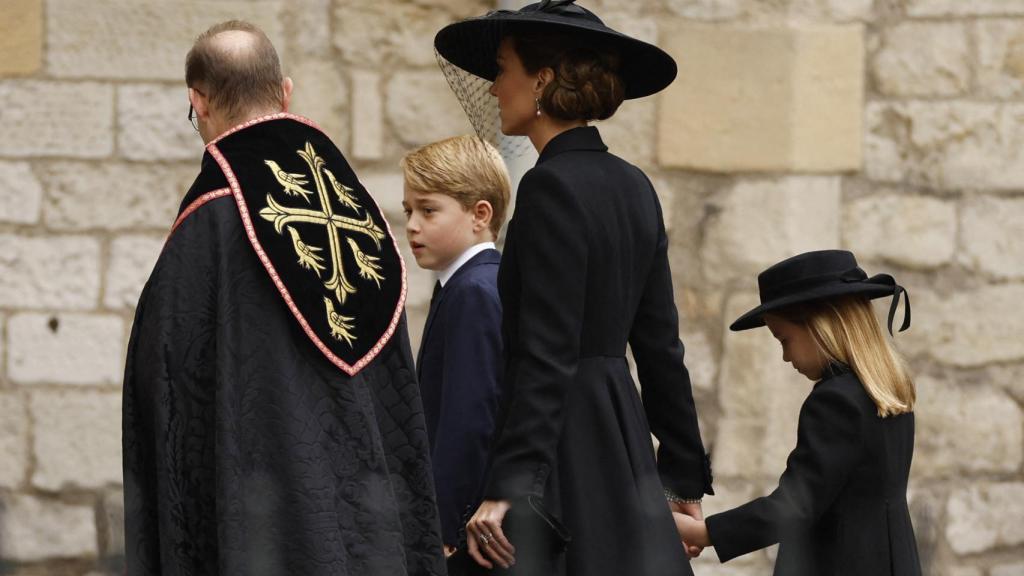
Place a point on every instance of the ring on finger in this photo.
(485, 539)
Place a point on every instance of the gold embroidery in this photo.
(286, 218)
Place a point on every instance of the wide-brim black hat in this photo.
(472, 44)
(816, 276)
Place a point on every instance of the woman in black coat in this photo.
(584, 273)
(841, 505)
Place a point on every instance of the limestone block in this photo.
(923, 59)
(131, 262)
(21, 37)
(759, 222)
(630, 133)
(307, 27)
(764, 99)
(321, 94)
(1000, 68)
(950, 145)
(77, 439)
(984, 516)
(909, 230)
(147, 39)
(1013, 569)
(992, 240)
(13, 440)
(113, 521)
(367, 115)
(21, 195)
(422, 108)
(965, 428)
(964, 571)
(760, 396)
(33, 529)
(700, 359)
(65, 348)
(114, 196)
(969, 327)
(375, 33)
(832, 10)
(706, 9)
(152, 126)
(49, 272)
(961, 8)
(387, 191)
(43, 118)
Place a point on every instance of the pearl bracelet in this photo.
(673, 497)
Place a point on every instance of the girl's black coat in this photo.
(841, 504)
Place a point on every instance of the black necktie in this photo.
(433, 296)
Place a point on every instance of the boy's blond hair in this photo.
(466, 168)
(846, 330)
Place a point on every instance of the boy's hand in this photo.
(692, 532)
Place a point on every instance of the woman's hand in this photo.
(486, 542)
(693, 532)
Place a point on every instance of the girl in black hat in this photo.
(841, 504)
(574, 486)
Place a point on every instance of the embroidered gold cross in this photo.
(285, 218)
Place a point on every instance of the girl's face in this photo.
(798, 346)
(516, 91)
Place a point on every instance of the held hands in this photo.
(689, 515)
(486, 542)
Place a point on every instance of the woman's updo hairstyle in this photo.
(587, 84)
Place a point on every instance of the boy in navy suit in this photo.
(455, 197)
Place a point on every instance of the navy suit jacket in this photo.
(459, 364)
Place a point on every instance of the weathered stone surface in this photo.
(321, 94)
(144, 39)
(949, 145)
(43, 118)
(909, 230)
(1000, 67)
(970, 327)
(113, 196)
(375, 33)
(992, 239)
(151, 125)
(13, 439)
(923, 59)
(422, 109)
(307, 28)
(832, 10)
(21, 37)
(700, 359)
(33, 529)
(630, 133)
(131, 261)
(21, 195)
(961, 8)
(65, 348)
(386, 189)
(759, 222)
(764, 99)
(706, 9)
(113, 521)
(964, 428)
(77, 439)
(760, 396)
(1013, 569)
(984, 516)
(49, 272)
(367, 115)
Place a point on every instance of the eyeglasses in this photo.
(192, 112)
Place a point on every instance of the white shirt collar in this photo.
(466, 256)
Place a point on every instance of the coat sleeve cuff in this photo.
(721, 537)
(692, 486)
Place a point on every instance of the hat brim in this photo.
(869, 288)
(472, 45)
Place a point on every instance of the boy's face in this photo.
(439, 229)
(798, 346)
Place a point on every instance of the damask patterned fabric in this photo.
(246, 451)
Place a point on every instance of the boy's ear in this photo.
(482, 215)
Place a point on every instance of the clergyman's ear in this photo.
(200, 103)
(286, 91)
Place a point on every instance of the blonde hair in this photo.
(466, 168)
(846, 330)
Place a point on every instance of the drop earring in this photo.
(537, 101)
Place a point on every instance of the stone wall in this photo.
(894, 128)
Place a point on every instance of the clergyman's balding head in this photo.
(236, 67)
